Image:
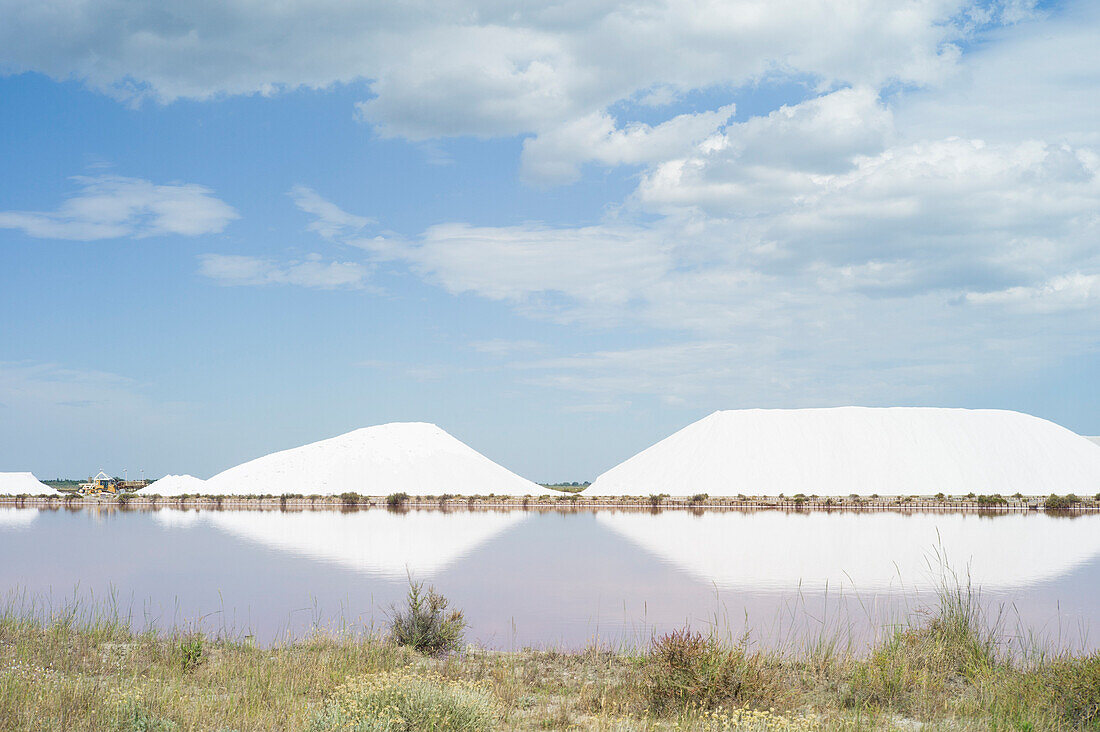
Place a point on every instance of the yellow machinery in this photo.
(101, 483)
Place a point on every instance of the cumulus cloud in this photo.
(860, 245)
(473, 67)
(315, 272)
(111, 207)
(556, 156)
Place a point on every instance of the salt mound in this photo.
(410, 457)
(1094, 439)
(890, 451)
(176, 485)
(16, 484)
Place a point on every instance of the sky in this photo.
(560, 230)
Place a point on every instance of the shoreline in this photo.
(566, 501)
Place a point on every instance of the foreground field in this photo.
(64, 670)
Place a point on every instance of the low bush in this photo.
(655, 499)
(685, 668)
(425, 624)
(699, 497)
(395, 500)
(994, 500)
(350, 498)
(1054, 502)
(396, 701)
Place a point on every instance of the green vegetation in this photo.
(995, 500)
(63, 484)
(396, 500)
(395, 701)
(425, 624)
(1055, 502)
(67, 669)
(573, 487)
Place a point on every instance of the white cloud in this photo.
(477, 67)
(330, 221)
(109, 207)
(232, 269)
(556, 156)
(1065, 292)
(502, 347)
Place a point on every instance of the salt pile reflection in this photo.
(382, 543)
(867, 551)
(17, 517)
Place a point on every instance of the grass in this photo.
(71, 668)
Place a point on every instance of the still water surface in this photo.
(562, 579)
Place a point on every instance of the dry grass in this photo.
(66, 670)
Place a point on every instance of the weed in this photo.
(190, 652)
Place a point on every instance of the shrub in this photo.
(686, 668)
(689, 671)
(124, 498)
(395, 500)
(994, 500)
(425, 624)
(1054, 502)
(349, 499)
(394, 701)
(699, 497)
(656, 498)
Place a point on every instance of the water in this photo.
(562, 579)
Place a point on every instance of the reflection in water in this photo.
(173, 518)
(386, 543)
(555, 578)
(17, 517)
(869, 551)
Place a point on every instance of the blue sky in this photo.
(560, 233)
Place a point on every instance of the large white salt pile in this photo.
(176, 485)
(1094, 439)
(839, 451)
(409, 457)
(773, 550)
(17, 484)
